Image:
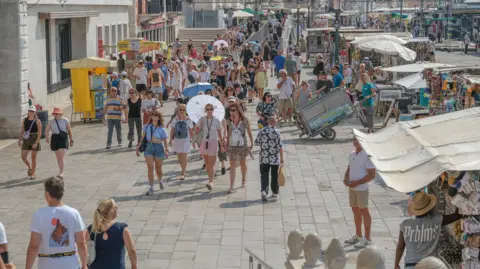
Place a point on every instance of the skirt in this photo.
(181, 145)
(237, 153)
(209, 147)
(57, 142)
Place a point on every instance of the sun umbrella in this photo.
(193, 89)
(414, 81)
(390, 48)
(196, 107)
(218, 42)
(216, 58)
(414, 68)
(241, 14)
(366, 39)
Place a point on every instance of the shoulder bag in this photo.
(143, 146)
(92, 252)
(26, 134)
(63, 135)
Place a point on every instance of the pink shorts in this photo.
(212, 149)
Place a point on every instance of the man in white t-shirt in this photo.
(359, 173)
(3, 245)
(141, 75)
(286, 86)
(57, 233)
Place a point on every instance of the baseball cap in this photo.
(32, 108)
(232, 98)
(124, 73)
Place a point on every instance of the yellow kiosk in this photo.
(89, 85)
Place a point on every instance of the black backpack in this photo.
(181, 129)
(191, 79)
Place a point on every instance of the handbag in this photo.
(26, 134)
(92, 252)
(143, 145)
(281, 176)
(63, 135)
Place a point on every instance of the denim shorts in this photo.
(158, 90)
(154, 150)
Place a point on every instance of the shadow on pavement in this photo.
(157, 195)
(246, 203)
(20, 183)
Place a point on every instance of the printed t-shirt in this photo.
(57, 226)
(3, 235)
(359, 163)
(156, 76)
(142, 73)
(149, 105)
(422, 237)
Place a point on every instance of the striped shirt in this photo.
(112, 105)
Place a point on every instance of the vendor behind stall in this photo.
(421, 236)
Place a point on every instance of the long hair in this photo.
(264, 97)
(238, 107)
(233, 90)
(160, 117)
(103, 214)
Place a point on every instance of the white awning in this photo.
(411, 154)
(241, 14)
(414, 81)
(68, 14)
(414, 68)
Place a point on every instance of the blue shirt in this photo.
(337, 80)
(367, 90)
(164, 69)
(210, 47)
(279, 62)
(158, 132)
(115, 83)
(149, 66)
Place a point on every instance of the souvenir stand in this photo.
(89, 86)
(422, 46)
(423, 157)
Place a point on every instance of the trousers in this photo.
(117, 124)
(269, 176)
(134, 123)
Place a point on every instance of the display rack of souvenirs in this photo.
(445, 92)
(464, 194)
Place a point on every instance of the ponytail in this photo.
(105, 212)
(97, 222)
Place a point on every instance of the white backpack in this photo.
(237, 138)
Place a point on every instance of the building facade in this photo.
(39, 36)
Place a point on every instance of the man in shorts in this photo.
(141, 74)
(359, 173)
(286, 86)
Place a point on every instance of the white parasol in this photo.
(414, 81)
(196, 107)
(241, 14)
(218, 42)
(366, 39)
(390, 48)
(414, 68)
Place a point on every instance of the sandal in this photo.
(230, 191)
(182, 177)
(32, 177)
(29, 172)
(60, 177)
(244, 184)
(209, 186)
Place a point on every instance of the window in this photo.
(62, 53)
(47, 52)
(107, 39)
(140, 6)
(119, 33)
(100, 52)
(114, 39)
(125, 30)
(63, 48)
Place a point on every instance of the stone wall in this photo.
(13, 66)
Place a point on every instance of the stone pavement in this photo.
(187, 227)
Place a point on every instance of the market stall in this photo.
(424, 156)
(89, 85)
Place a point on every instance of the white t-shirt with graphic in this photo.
(58, 226)
(3, 235)
(142, 73)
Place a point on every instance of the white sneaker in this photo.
(163, 184)
(264, 196)
(363, 243)
(150, 191)
(274, 196)
(353, 240)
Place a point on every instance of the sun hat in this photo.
(124, 73)
(115, 74)
(32, 108)
(422, 203)
(282, 71)
(57, 110)
(370, 258)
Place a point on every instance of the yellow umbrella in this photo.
(89, 62)
(216, 58)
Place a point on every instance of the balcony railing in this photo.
(252, 258)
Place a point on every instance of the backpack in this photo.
(191, 79)
(237, 138)
(181, 129)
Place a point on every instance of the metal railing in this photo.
(259, 35)
(260, 264)
(287, 31)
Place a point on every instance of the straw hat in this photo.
(57, 110)
(431, 263)
(370, 258)
(422, 203)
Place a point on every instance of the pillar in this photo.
(14, 66)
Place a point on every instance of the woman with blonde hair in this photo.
(156, 149)
(110, 238)
(181, 136)
(238, 149)
(211, 129)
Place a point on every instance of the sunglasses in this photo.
(269, 96)
(155, 115)
(131, 92)
(209, 109)
(233, 110)
(113, 90)
(181, 110)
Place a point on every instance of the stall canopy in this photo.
(411, 154)
(362, 40)
(414, 68)
(241, 14)
(390, 48)
(89, 62)
(414, 81)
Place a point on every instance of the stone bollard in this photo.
(335, 255)
(295, 246)
(312, 248)
(370, 258)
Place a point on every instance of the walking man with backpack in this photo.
(181, 136)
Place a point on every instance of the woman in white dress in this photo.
(177, 77)
(181, 136)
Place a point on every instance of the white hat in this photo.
(115, 74)
(124, 73)
(32, 108)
